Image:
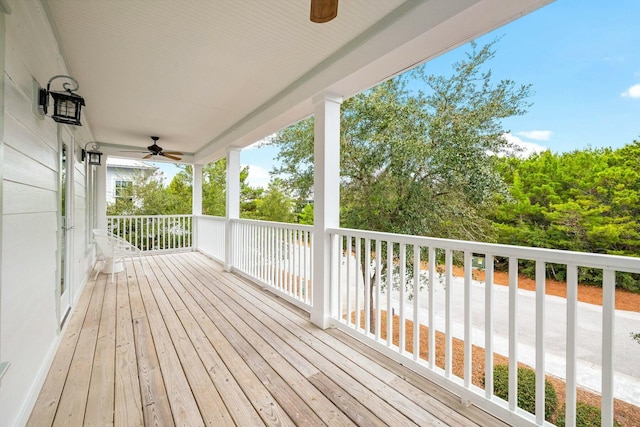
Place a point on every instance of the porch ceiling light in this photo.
(94, 155)
(66, 105)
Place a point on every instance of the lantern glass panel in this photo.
(66, 108)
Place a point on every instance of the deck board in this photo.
(127, 399)
(100, 401)
(190, 344)
(73, 401)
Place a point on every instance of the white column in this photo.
(326, 192)
(197, 190)
(232, 205)
(196, 202)
(101, 196)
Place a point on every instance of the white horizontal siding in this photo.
(22, 169)
(22, 198)
(29, 321)
(24, 141)
(29, 325)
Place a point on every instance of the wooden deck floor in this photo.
(189, 344)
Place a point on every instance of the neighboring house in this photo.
(121, 173)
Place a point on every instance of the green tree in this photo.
(275, 204)
(213, 188)
(180, 191)
(306, 214)
(586, 200)
(145, 196)
(214, 183)
(418, 163)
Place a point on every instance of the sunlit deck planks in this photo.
(189, 344)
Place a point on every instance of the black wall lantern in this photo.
(66, 105)
(92, 155)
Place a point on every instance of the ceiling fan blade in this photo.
(174, 152)
(132, 151)
(170, 156)
(323, 10)
(148, 156)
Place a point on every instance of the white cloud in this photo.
(258, 177)
(632, 92)
(523, 148)
(538, 135)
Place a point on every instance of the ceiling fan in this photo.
(156, 150)
(323, 10)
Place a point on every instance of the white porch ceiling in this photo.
(206, 75)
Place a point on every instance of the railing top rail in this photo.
(274, 224)
(556, 256)
(212, 217)
(148, 216)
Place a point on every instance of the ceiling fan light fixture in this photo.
(323, 10)
(155, 150)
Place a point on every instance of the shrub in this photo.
(586, 416)
(526, 390)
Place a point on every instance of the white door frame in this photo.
(65, 224)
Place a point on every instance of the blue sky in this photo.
(583, 61)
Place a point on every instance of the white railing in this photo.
(211, 236)
(154, 232)
(412, 278)
(276, 255)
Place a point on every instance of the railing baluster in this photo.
(300, 264)
(367, 307)
(432, 323)
(403, 282)
(540, 347)
(164, 233)
(278, 258)
(488, 327)
(349, 250)
(357, 281)
(254, 250)
(305, 254)
(290, 266)
(389, 289)
(608, 328)
(378, 282)
(339, 285)
(448, 343)
(513, 333)
(416, 302)
(309, 261)
(467, 319)
(571, 362)
(260, 252)
(270, 256)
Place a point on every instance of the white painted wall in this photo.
(29, 327)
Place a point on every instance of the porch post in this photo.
(326, 207)
(196, 202)
(232, 205)
(3, 9)
(101, 195)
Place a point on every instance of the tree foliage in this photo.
(275, 204)
(586, 200)
(415, 162)
(147, 195)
